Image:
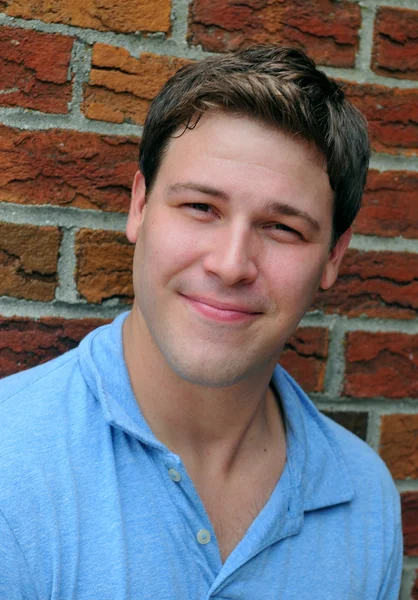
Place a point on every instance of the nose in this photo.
(232, 256)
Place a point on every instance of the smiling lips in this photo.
(221, 311)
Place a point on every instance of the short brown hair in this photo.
(278, 86)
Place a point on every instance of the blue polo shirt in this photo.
(93, 506)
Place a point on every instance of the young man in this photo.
(168, 457)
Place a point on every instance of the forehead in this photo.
(246, 158)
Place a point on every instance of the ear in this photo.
(330, 272)
(137, 208)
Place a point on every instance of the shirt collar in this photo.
(315, 467)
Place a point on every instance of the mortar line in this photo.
(408, 580)
(380, 406)
(373, 429)
(15, 307)
(67, 289)
(364, 55)
(335, 365)
(179, 19)
(80, 67)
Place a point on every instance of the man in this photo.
(168, 457)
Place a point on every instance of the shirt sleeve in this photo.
(15, 579)
(392, 581)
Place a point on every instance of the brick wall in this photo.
(75, 85)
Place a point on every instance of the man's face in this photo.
(231, 247)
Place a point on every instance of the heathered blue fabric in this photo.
(88, 510)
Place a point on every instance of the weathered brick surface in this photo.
(389, 206)
(104, 265)
(104, 15)
(392, 114)
(28, 261)
(409, 503)
(381, 364)
(356, 422)
(25, 343)
(34, 70)
(327, 30)
(376, 284)
(121, 87)
(304, 356)
(66, 168)
(395, 50)
(399, 444)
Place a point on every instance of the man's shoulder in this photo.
(370, 476)
(35, 404)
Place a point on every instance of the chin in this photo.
(212, 374)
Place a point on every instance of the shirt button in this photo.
(174, 475)
(203, 536)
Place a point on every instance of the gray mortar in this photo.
(335, 365)
(12, 307)
(80, 72)
(408, 578)
(67, 289)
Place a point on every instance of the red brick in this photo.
(66, 168)
(392, 114)
(399, 445)
(409, 502)
(34, 70)
(356, 422)
(104, 265)
(106, 15)
(304, 356)
(381, 364)
(121, 87)
(376, 284)
(395, 50)
(25, 343)
(389, 206)
(327, 30)
(28, 261)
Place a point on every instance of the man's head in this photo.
(280, 87)
(232, 214)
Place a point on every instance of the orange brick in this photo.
(304, 356)
(67, 168)
(326, 30)
(106, 15)
(25, 343)
(389, 205)
(34, 70)
(376, 284)
(392, 114)
(104, 265)
(395, 50)
(121, 87)
(381, 364)
(399, 445)
(28, 261)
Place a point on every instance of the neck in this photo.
(203, 425)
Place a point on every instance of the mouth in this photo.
(221, 311)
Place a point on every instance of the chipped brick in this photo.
(34, 70)
(381, 364)
(67, 168)
(395, 50)
(106, 15)
(28, 261)
(376, 284)
(327, 30)
(25, 343)
(399, 445)
(104, 265)
(389, 205)
(304, 356)
(121, 87)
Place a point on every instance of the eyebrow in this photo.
(271, 206)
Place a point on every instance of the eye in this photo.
(282, 229)
(199, 206)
